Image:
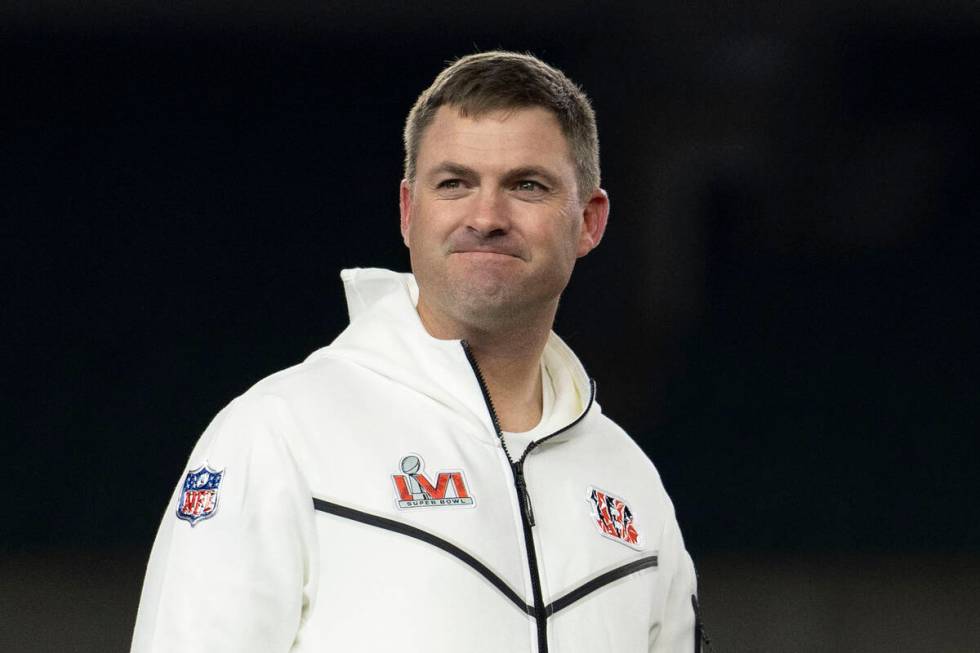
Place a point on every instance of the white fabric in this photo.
(551, 419)
(267, 573)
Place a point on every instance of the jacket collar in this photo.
(386, 336)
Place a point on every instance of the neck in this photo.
(509, 356)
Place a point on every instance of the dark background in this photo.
(783, 312)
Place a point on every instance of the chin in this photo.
(488, 302)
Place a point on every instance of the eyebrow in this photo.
(454, 169)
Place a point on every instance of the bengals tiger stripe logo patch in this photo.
(613, 517)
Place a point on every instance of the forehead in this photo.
(509, 137)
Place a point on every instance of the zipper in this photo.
(524, 498)
(540, 616)
(524, 501)
(522, 491)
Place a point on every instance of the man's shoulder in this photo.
(611, 431)
(616, 444)
(272, 406)
(316, 372)
(312, 377)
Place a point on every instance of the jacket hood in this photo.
(386, 336)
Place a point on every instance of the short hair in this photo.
(481, 83)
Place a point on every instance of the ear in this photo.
(405, 208)
(595, 215)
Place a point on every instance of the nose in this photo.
(490, 214)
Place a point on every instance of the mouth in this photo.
(484, 256)
(486, 252)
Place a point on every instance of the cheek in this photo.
(429, 225)
(419, 227)
(573, 239)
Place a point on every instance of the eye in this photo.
(530, 186)
(450, 184)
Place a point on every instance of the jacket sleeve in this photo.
(674, 631)
(240, 579)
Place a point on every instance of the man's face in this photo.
(493, 221)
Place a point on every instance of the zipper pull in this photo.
(522, 493)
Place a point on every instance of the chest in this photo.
(425, 532)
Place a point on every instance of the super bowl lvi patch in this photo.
(414, 489)
(199, 498)
(613, 517)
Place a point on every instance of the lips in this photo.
(465, 243)
(487, 250)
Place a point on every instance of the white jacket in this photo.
(361, 501)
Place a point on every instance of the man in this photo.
(440, 477)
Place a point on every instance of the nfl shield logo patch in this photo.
(199, 498)
(613, 517)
